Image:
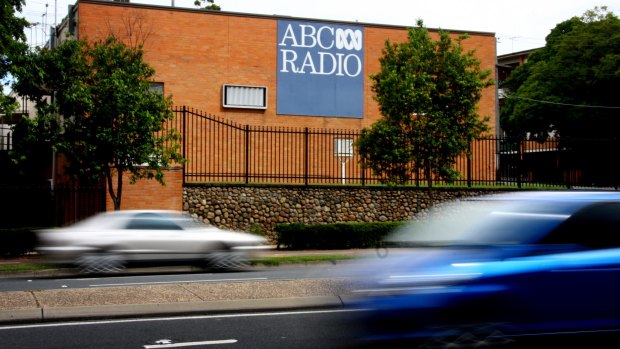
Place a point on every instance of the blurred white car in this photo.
(108, 241)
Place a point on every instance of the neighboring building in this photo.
(508, 62)
(259, 70)
(505, 65)
(8, 121)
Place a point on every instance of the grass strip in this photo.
(274, 261)
(26, 267)
(268, 261)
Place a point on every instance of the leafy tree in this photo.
(568, 88)
(95, 106)
(428, 93)
(12, 45)
(212, 5)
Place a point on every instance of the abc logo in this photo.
(348, 39)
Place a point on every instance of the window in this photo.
(150, 221)
(595, 226)
(248, 97)
(157, 87)
(6, 141)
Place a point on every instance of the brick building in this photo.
(259, 70)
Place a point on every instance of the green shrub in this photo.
(298, 236)
(17, 242)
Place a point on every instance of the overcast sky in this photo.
(518, 25)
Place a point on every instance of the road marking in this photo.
(177, 318)
(173, 282)
(190, 344)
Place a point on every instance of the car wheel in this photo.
(226, 259)
(471, 336)
(103, 262)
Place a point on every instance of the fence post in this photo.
(184, 142)
(567, 174)
(306, 156)
(247, 154)
(469, 165)
(519, 162)
(57, 221)
(363, 169)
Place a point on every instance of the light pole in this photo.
(33, 41)
(43, 28)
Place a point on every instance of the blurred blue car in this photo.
(497, 270)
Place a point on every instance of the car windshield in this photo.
(486, 222)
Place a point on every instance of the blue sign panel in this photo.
(320, 69)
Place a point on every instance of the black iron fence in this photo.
(222, 151)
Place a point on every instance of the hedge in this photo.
(298, 236)
(17, 242)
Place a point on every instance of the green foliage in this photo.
(12, 37)
(211, 5)
(12, 45)
(299, 236)
(560, 86)
(8, 104)
(428, 93)
(387, 151)
(95, 105)
(256, 229)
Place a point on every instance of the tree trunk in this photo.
(116, 197)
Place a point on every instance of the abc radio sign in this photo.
(320, 69)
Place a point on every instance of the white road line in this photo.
(190, 344)
(173, 282)
(177, 318)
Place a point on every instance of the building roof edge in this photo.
(276, 16)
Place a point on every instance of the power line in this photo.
(564, 104)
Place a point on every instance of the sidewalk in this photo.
(177, 299)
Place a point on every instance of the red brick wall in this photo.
(149, 194)
(195, 52)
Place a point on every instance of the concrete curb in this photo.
(35, 315)
(21, 315)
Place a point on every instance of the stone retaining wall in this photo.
(262, 207)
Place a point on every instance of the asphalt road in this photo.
(131, 278)
(293, 329)
(327, 328)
